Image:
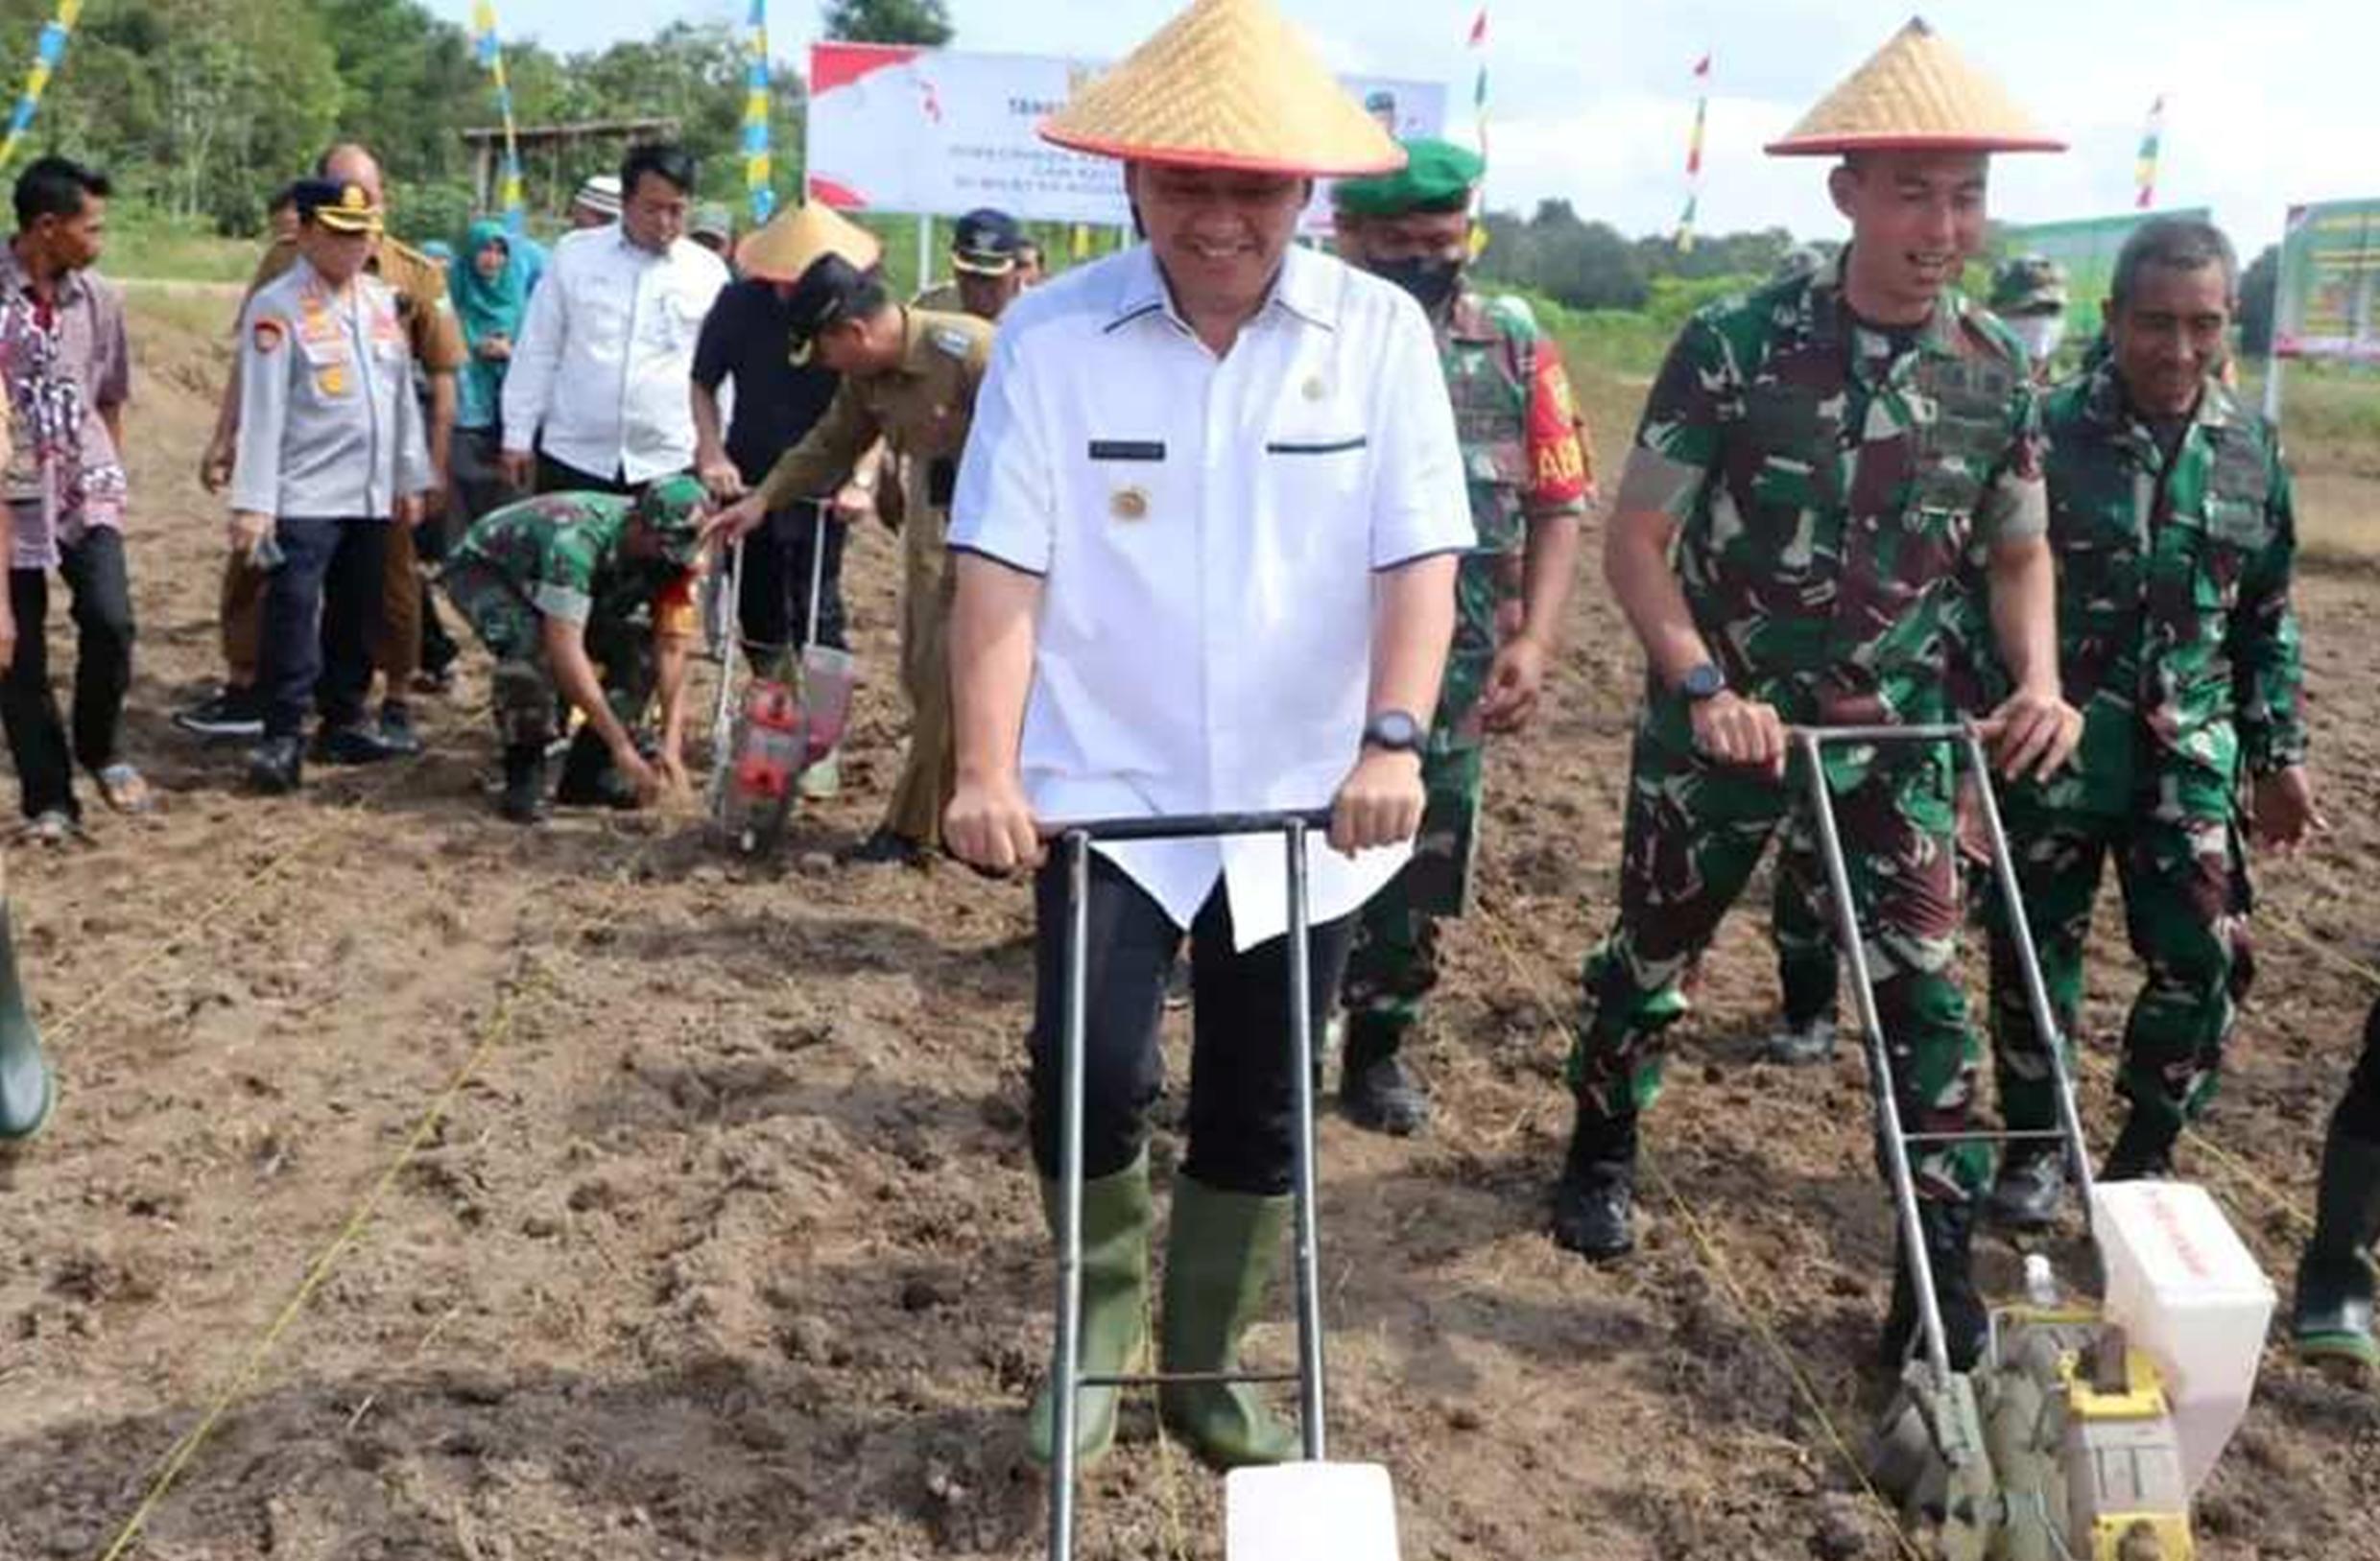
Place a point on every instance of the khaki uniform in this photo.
(435, 339)
(923, 410)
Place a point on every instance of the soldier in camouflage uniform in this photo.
(1526, 455)
(585, 596)
(1813, 461)
(2029, 295)
(2170, 514)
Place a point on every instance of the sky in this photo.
(1591, 101)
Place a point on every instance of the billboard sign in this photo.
(2330, 270)
(938, 131)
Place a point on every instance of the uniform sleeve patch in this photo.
(267, 335)
(950, 340)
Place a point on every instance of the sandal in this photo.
(122, 788)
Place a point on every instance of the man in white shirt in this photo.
(1207, 532)
(595, 400)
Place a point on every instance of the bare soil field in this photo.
(717, 1239)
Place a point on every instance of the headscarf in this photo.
(486, 308)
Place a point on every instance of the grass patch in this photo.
(2330, 417)
(143, 245)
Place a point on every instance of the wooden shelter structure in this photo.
(553, 156)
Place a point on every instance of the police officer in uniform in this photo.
(435, 337)
(331, 453)
(909, 377)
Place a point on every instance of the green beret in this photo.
(1438, 176)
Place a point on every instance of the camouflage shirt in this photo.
(1827, 475)
(2176, 635)
(562, 552)
(1525, 457)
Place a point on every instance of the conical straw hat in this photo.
(1917, 94)
(792, 242)
(1227, 84)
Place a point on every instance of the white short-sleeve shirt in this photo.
(1207, 530)
(599, 374)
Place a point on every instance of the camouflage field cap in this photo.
(2029, 285)
(672, 510)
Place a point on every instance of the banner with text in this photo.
(939, 132)
(2086, 247)
(2330, 270)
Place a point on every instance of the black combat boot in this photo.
(1374, 1089)
(2144, 1150)
(1948, 1230)
(1595, 1200)
(523, 801)
(589, 778)
(275, 766)
(2031, 1187)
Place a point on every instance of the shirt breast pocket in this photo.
(331, 364)
(601, 310)
(1318, 476)
(1953, 459)
(672, 319)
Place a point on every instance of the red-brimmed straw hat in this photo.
(1227, 84)
(1915, 94)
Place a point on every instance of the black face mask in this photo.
(1430, 279)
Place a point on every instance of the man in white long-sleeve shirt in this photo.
(595, 399)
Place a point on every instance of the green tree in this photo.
(889, 21)
(2259, 298)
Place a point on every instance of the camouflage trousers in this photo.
(2185, 901)
(526, 701)
(1393, 964)
(1695, 832)
(1808, 971)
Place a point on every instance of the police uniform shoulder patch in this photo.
(267, 334)
(950, 340)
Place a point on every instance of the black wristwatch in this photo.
(1396, 731)
(1703, 682)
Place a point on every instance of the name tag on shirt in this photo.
(1128, 450)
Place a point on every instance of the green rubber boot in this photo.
(2333, 1320)
(1219, 1258)
(1115, 1308)
(27, 1090)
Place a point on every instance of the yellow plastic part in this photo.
(2143, 1399)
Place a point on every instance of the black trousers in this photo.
(94, 573)
(321, 602)
(2358, 1113)
(1242, 1120)
(557, 477)
(476, 484)
(775, 609)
